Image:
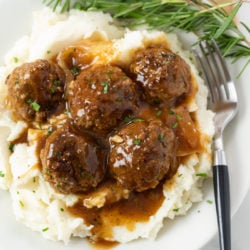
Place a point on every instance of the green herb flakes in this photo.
(11, 147)
(66, 112)
(178, 117)
(75, 70)
(35, 106)
(136, 141)
(201, 174)
(105, 86)
(2, 174)
(16, 60)
(175, 125)
(56, 82)
(159, 112)
(21, 203)
(58, 153)
(45, 229)
(161, 138)
(52, 89)
(128, 119)
(50, 131)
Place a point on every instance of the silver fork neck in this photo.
(219, 157)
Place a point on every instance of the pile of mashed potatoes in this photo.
(36, 204)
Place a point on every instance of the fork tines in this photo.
(214, 70)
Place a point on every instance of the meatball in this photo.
(163, 75)
(141, 154)
(100, 97)
(72, 163)
(35, 90)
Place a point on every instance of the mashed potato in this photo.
(35, 202)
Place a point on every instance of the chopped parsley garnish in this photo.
(48, 171)
(136, 141)
(50, 131)
(128, 119)
(159, 112)
(161, 137)
(75, 70)
(15, 59)
(201, 174)
(45, 229)
(138, 120)
(56, 82)
(105, 86)
(2, 174)
(52, 89)
(21, 203)
(171, 112)
(35, 106)
(176, 209)
(66, 112)
(57, 153)
(209, 202)
(179, 117)
(62, 209)
(11, 147)
(48, 52)
(175, 125)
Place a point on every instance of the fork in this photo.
(223, 102)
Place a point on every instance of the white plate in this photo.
(190, 232)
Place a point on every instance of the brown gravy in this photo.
(137, 208)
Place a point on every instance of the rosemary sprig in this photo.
(205, 18)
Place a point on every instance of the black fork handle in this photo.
(222, 201)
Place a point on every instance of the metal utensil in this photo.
(223, 101)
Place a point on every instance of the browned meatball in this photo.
(72, 163)
(100, 97)
(163, 75)
(35, 89)
(141, 154)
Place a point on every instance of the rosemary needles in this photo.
(205, 18)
